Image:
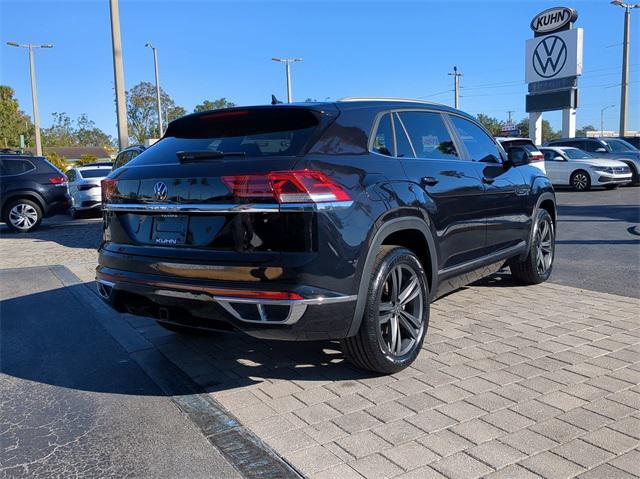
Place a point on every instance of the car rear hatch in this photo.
(222, 183)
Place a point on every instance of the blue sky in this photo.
(210, 49)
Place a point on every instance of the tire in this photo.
(533, 270)
(22, 215)
(580, 181)
(376, 347)
(611, 187)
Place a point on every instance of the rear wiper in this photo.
(186, 156)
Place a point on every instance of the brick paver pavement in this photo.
(537, 381)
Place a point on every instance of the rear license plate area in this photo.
(169, 230)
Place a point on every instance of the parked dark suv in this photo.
(610, 148)
(31, 188)
(320, 221)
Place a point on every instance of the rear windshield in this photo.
(95, 172)
(257, 133)
(526, 144)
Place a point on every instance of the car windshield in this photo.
(576, 154)
(621, 145)
(94, 172)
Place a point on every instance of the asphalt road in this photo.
(598, 240)
(74, 403)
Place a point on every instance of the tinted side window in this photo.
(71, 175)
(383, 141)
(589, 145)
(549, 155)
(429, 135)
(480, 146)
(16, 167)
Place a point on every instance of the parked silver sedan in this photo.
(85, 189)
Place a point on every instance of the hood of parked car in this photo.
(600, 162)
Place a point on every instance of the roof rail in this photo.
(381, 98)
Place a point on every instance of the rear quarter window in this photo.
(10, 167)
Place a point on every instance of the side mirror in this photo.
(559, 158)
(601, 150)
(517, 156)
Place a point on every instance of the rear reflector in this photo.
(109, 187)
(58, 180)
(296, 186)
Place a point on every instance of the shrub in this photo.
(58, 161)
(86, 159)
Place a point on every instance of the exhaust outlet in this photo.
(104, 290)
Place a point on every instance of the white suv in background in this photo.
(523, 147)
(85, 189)
(581, 170)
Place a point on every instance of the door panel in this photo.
(506, 189)
(444, 178)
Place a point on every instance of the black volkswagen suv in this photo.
(320, 221)
(31, 189)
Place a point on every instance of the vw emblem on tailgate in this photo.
(160, 191)
(549, 56)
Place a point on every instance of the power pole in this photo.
(34, 94)
(509, 112)
(287, 62)
(456, 85)
(118, 74)
(624, 84)
(159, 104)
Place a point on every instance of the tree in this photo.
(85, 133)
(492, 124)
(548, 133)
(583, 131)
(142, 111)
(207, 105)
(61, 132)
(13, 121)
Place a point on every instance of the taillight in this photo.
(58, 180)
(537, 156)
(109, 187)
(297, 186)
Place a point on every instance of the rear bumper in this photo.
(312, 314)
(59, 206)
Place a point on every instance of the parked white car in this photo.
(85, 189)
(581, 170)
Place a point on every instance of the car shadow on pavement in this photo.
(71, 233)
(56, 338)
(628, 213)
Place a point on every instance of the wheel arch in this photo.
(27, 195)
(546, 201)
(411, 232)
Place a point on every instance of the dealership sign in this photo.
(558, 55)
(553, 19)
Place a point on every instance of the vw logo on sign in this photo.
(549, 56)
(160, 191)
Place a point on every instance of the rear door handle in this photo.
(486, 180)
(428, 181)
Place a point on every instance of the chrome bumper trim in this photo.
(297, 307)
(223, 208)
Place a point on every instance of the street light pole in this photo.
(155, 65)
(624, 84)
(118, 75)
(34, 93)
(287, 62)
(602, 118)
(456, 85)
